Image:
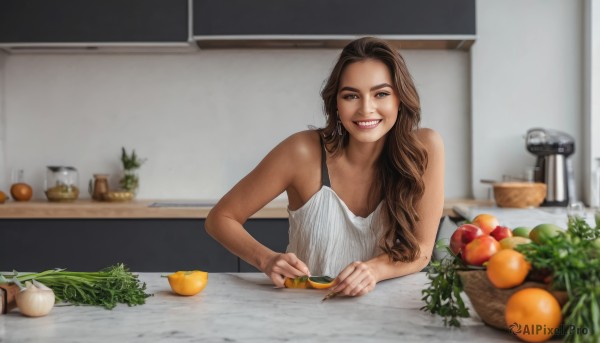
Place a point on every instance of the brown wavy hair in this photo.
(400, 168)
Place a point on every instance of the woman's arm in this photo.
(360, 277)
(273, 175)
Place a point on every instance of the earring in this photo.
(339, 125)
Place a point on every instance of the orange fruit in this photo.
(2, 197)
(321, 282)
(21, 191)
(486, 222)
(533, 314)
(507, 268)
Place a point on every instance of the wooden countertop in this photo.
(39, 209)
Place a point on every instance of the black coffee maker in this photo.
(553, 165)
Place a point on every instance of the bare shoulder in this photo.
(431, 139)
(302, 146)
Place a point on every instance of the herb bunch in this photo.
(106, 288)
(131, 161)
(443, 295)
(572, 262)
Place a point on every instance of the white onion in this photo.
(35, 300)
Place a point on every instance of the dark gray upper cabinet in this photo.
(443, 23)
(94, 21)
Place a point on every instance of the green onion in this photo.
(112, 285)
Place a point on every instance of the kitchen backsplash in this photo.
(203, 120)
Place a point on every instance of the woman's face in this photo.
(367, 103)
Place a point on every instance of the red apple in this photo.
(463, 235)
(480, 250)
(501, 232)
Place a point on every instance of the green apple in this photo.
(512, 242)
(522, 231)
(542, 232)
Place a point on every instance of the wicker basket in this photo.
(490, 302)
(519, 194)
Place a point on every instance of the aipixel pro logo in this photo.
(534, 329)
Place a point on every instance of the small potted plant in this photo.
(131, 163)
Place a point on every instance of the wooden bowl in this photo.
(490, 302)
(519, 194)
(118, 196)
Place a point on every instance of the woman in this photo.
(365, 192)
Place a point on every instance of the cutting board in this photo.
(8, 297)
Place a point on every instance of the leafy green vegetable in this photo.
(572, 262)
(443, 295)
(578, 227)
(105, 288)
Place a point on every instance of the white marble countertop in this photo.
(245, 307)
(529, 217)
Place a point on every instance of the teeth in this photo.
(367, 123)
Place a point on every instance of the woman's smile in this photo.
(367, 124)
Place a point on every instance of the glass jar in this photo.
(62, 183)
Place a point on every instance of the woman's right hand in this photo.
(282, 265)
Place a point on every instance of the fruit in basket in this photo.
(542, 232)
(486, 222)
(480, 250)
(533, 314)
(522, 231)
(512, 242)
(507, 268)
(463, 235)
(501, 232)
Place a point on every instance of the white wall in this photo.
(527, 72)
(591, 79)
(3, 175)
(203, 120)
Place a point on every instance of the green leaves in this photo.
(578, 227)
(572, 261)
(131, 161)
(443, 295)
(105, 288)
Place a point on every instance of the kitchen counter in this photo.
(153, 209)
(132, 209)
(245, 307)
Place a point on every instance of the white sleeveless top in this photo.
(327, 236)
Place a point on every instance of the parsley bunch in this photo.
(443, 295)
(572, 260)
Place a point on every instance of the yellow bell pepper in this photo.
(188, 282)
(297, 282)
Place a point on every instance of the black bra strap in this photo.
(324, 172)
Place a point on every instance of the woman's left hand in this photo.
(356, 279)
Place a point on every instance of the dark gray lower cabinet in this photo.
(271, 232)
(144, 245)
